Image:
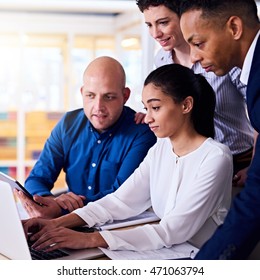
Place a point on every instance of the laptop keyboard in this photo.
(42, 255)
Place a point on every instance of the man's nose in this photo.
(99, 103)
(195, 57)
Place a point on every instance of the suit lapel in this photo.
(253, 89)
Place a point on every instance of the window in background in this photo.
(43, 72)
(9, 71)
(84, 50)
(131, 60)
(40, 79)
(87, 48)
(31, 97)
(43, 79)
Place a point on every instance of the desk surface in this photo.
(125, 254)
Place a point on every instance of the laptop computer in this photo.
(13, 243)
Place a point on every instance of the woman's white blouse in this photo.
(189, 193)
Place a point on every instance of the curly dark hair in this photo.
(172, 5)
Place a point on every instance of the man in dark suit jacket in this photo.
(224, 34)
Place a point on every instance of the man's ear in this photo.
(126, 93)
(235, 25)
(81, 90)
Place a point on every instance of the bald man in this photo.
(98, 146)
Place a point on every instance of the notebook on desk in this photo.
(13, 243)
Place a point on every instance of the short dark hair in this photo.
(173, 5)
(179, 82)
(221, 10)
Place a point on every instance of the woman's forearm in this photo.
(69, 221)
(73, 220)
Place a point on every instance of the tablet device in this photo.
(15, 184)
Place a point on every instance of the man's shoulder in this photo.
(73, 118)
(129, 118)
(129, 124)
(74, 115)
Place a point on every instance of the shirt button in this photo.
(98, 141)
(89, 188)
(93, 165)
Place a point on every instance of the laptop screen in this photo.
(13, 243)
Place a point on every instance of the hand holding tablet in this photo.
(15, 185)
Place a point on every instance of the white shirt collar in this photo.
(248, 61)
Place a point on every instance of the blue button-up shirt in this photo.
(95, 164)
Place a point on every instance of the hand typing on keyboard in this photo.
(49, 232)
(43, 255)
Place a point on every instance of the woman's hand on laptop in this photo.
(60, 237)
(53, 234)
(35, 227)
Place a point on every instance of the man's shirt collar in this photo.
(248, 61)
(110, 131)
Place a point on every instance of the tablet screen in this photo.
(14, 184)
